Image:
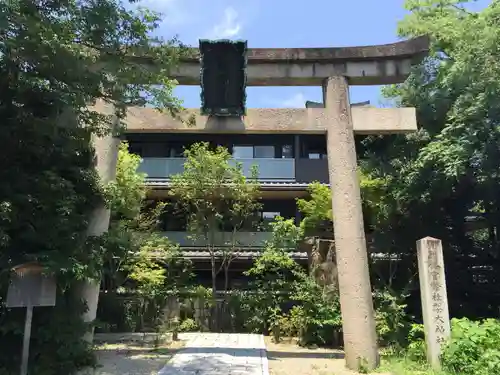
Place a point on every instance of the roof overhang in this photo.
(159, 188)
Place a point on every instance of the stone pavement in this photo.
(220, 353)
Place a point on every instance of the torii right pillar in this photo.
(358, 320)
(334, 69)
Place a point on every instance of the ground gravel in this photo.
(287, 358)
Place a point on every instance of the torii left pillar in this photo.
(106, 158)
(358, 318)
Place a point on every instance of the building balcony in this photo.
(268, 168)
(222, 239)
(309, 170)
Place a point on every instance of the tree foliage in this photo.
(127, 193)
(216, 197)
(317, 207)
(438, 179)
(272, 277)
(58, 59)
(139, 261)
(141, 249)
(77, 52)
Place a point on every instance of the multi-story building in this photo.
(287, 163)
(289, 146)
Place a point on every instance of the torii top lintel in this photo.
(365, 65)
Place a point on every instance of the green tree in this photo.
(138, 257)
(317, 207)
(58, 59)
(217, 198)
(272, 275)
(449, 170)
(127, 193)
(134, 220)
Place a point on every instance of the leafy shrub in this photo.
(121, 313)
(282, 325)
(274, 273)
(416, 350)
(473, 348)
(189, 325)
(287, 325)
(316, 317)
(284, 300)
(392, 321)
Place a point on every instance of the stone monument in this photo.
(434, 297)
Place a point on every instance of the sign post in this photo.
(26, 340)
(30, 287)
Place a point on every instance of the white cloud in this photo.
(297, 100)
(229, 27)
(172, 11)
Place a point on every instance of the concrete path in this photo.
(220, 353)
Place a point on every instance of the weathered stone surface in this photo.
(433, 296)
(364, 65)
(409, 47)
(366, 120)
(358, 322)
(106, 158)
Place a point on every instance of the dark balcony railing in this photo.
(269, 169)
(222, 239)
(308, 170)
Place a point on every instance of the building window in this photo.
(261, 152)
(176, 152)
(316, 155)
(253, 152)
(243, 152)
(314, 147)
(287, 152)
(266, 215)
(135, 148)
(267, 218)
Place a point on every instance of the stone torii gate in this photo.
(334, 69)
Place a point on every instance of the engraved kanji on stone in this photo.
(440, 339)
(437, 297)
(437, 309)
(434, 275)
(432, 255)
(435, 285)
(439, 319)
(433, 296)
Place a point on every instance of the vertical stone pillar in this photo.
(358, 321)
(433, 296)
(106, 158)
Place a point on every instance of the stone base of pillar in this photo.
(88, 291)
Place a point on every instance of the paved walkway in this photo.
(220, 353)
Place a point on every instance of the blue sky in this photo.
(283, 23)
